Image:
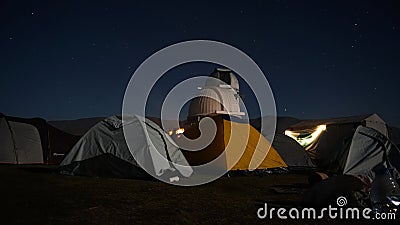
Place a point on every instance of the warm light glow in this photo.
(180, 131)
(305, 138)
(170, 132)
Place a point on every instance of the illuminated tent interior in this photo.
(327, 141)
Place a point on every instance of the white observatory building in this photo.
(225, 90)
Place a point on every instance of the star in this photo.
(285, 109)
(10, 38)
(94, 44)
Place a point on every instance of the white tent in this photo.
(20, 143)
(102, 151)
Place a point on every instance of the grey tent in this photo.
(328, 140)
(103, 152)
(32, 141)
(368, 150)
(291, 152)
(20, 143)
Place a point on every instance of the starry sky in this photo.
(73, 59)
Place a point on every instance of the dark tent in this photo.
(291, 152)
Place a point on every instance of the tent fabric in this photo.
(31, 141)
(20, 143)
(28, 145)
(370, 149)
(291, 152)
(7, 150)
(330, 149)
(151, 146)
(332, 146)
(370, 119)
(229, 141)
(59, 144)
(106, 165)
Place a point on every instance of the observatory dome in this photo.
(217, 97)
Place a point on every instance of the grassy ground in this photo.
(38, 195)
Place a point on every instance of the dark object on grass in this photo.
(317, 177)
(327, 191)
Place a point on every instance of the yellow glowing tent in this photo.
(230, 140)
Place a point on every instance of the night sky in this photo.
(73, 59)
